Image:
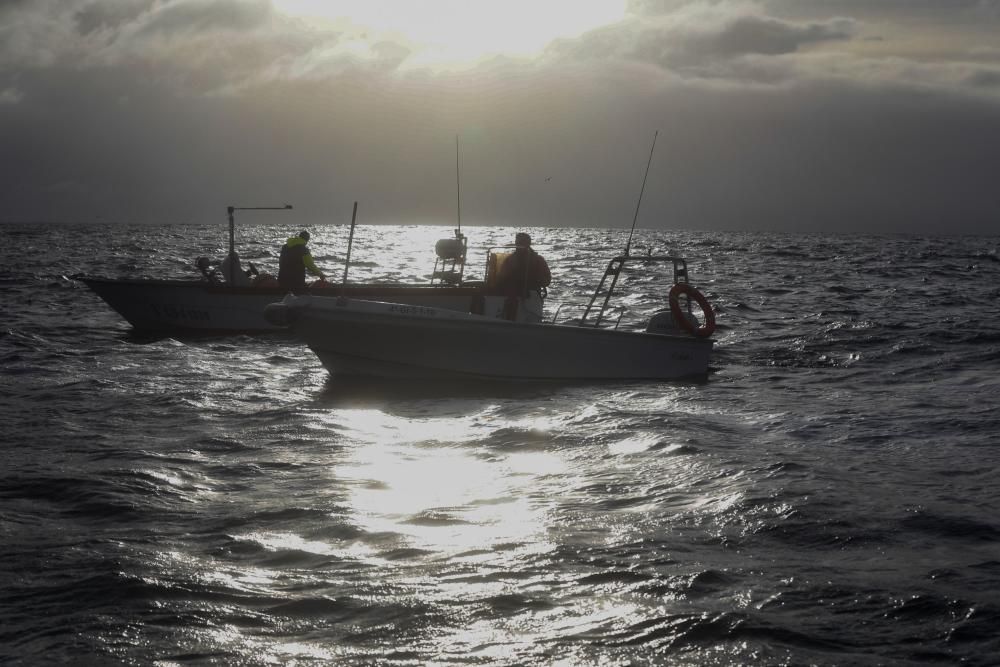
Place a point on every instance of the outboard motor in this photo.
(449, 266)
(450, 249)
(662, 322)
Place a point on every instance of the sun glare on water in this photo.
(457, 32)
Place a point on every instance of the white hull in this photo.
(360, 338)
(200, 307)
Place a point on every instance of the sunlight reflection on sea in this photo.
(826, 497)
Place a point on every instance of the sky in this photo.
(773, 115)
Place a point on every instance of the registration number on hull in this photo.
(413, 310)
(172, 312)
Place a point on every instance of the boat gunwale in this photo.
(338, 290)
(415, 319)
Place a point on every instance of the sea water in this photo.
(828, 496)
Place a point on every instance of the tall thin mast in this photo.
(458, 188)
(628, 245)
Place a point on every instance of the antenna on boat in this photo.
(628, 245)
(350, 241)
(458, 189)
(231, 278)
(449, 265)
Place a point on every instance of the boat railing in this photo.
(578, 321)
(609, 280)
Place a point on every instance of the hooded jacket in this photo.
(293, 263)
(524, 271)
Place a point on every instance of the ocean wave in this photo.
(822, 498)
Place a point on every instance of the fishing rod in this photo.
(615, 267)
(458, 189)
(628, 245)
(232, 231)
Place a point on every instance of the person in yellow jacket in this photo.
(295, 260)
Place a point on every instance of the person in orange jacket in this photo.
(523, 272)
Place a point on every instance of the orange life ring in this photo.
(708, 326)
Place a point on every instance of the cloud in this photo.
(931, 9)
(737, 45)
(986, 78)
(206, 16)
(10, 96)
(766, 35)
(698, 38)
(935, 8)
(31, 35)
(111, 15)
(169, 110)
(200, 45)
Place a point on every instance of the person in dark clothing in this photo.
(523, 272)
(295, 260)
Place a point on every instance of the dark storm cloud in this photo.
(701, 39)
(765, 35)
(950, 7)
(230, 37)
(6, 5)
(987, 78)
(835, 7)
(208, 16)
(166, 111)
(95, 17)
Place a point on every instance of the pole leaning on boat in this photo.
(231, 278)
(350, 241)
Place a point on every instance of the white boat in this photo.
(379, 339)
(225, 300)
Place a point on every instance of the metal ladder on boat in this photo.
(614, 271)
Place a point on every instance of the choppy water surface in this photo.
(827, 497)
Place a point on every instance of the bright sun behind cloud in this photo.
(455, 33)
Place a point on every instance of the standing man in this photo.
(295, 260)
